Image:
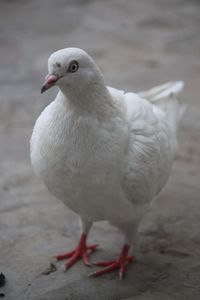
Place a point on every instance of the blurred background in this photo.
(137, 44)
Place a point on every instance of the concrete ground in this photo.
(137, 44)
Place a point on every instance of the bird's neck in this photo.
(93, 99)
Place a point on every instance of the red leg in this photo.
(119, 263)
(82, 251)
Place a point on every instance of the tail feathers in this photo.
(167, 90)
(174, 111)
(164, 96)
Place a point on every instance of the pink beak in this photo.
(49, 81)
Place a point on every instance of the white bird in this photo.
(104, 153)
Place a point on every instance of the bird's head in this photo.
(70, 69)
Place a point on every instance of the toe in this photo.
(104, 263)
(85, 259)
(64, 255)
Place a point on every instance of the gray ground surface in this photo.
(137, 44)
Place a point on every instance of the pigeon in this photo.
(105, 153)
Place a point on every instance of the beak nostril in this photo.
(51, 78)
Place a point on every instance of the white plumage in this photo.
(104, 153)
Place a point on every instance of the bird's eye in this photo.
(73, 67)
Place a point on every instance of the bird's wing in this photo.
(152, 141)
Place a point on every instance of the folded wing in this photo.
(153, 116)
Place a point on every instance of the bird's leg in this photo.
(123, 259)
(119, 263)
(82, 250)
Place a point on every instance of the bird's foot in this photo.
(119, 263)
(82, 251)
